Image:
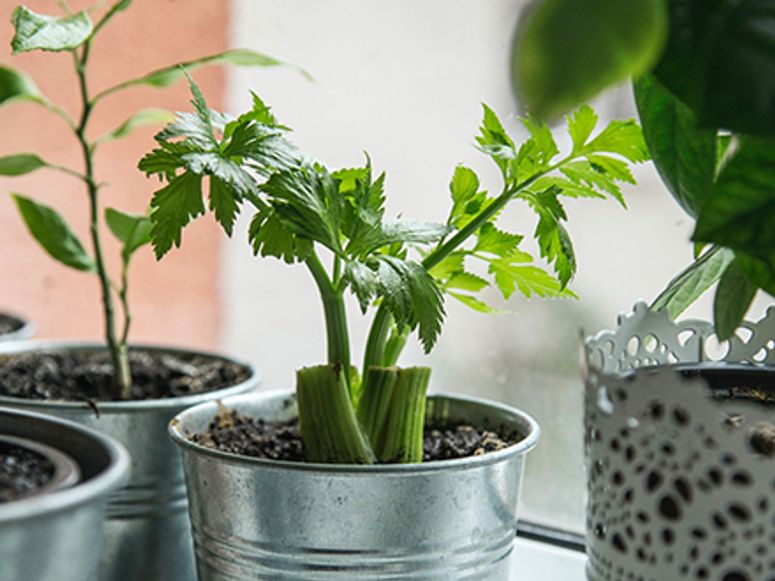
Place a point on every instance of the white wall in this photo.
(404, 79)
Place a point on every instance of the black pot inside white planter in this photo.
(680, 451)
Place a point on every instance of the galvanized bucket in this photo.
(24, 330)
(147, 533)
(57, 536)
(262, 519)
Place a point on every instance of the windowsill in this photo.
(540, 560)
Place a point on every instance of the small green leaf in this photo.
(541, 135)
(621, 137)
(270, 236)
(734, 295)
(690, 284)
(139, 119)
(412, 296)
(307, 199)
(467, 281)
(514, 273)
(683, 153)
(134, 231)
(172, 208)
(166, 76)
(452, 263)
(20, 164)
(567, 51)
(16, 85)
(223, 203)
(493, 241)
(474, 303)
(581, 124)
(49, 33)
(54, 235)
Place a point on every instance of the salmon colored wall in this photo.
(175, 301)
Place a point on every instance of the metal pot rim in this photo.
(527, 443)
(67, 473)
(124, 407)
(26, 330)
(114, 475)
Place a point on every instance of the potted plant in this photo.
(342, 477)
(678, 422)
(55, 478)
(129, 392)
(13, 328)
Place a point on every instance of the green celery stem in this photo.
(329, 428)
(402, 439)
(374, 403)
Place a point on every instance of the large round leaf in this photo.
(567, 51)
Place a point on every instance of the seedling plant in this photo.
(74, 33)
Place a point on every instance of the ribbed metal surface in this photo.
(147, 533)
(256, 519)
(58, 536)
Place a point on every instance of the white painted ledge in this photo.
(535, 561)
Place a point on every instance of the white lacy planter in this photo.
(680, 485)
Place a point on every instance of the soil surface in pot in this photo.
(22, 472)
(86, 375)
(236, 433)
(9, 324)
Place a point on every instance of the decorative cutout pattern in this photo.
(680, 485)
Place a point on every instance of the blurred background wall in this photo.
(402, 80)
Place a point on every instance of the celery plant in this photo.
(74, 32)
(402, 268)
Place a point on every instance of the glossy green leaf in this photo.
(49, 33)
(684, 154)
(740, 212)
(133, 230)
(54, 235)
(720, 60)
(20, 164)
(734, 295)
(690, 284)
(140, 119)
(567, 51)
(760, 271)
(17, 85)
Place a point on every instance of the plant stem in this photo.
(373, 406)
(336, 318)
(328, 424)
(122, 380)
(402, 434)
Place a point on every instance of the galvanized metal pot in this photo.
(679, 455)
(147, 533)
(262, 519)
(24, 330)
(57, 536)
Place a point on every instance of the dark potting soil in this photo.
(86, 375)
(22, 472)
(9, 324)
(239, 434)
